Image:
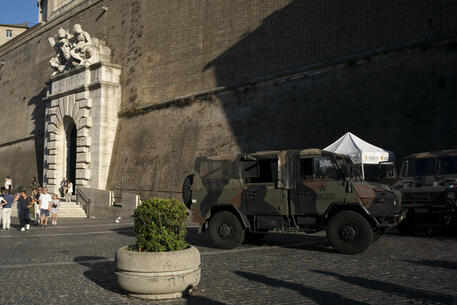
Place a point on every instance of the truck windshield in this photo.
(418, 167)
(447, 166)
(348, 168)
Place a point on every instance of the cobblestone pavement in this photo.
(73, 264)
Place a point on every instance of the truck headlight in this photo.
(395, 202)
(450, 195)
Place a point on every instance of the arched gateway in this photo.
(82, 103)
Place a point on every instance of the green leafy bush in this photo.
(160, 225)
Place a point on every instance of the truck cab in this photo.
(249, 195)
(428, 182)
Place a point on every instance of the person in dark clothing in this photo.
(24, 209)
(36, 200)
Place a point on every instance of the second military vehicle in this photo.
(248, 195)
(428, 182)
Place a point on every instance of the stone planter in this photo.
(158, 275)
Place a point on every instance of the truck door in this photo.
(261, 195)
(319, 184)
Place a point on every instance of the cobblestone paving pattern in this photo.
(73, 264)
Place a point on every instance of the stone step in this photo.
(66, 210)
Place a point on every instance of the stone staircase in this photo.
(66, 210)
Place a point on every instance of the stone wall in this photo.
(404, 102)
(168, 49)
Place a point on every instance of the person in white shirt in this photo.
(45, 206)
(69, 191)
(8, 184)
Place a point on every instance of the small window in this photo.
(448, 166)
(261, 171)
(306, 169)
(9, 33)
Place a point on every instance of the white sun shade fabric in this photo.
(359, 151)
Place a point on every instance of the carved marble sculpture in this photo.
(72, 50)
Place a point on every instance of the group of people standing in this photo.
(66, 189)
(44, 205)
(40, 201)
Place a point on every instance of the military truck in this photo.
(249, 195)
(428, 182)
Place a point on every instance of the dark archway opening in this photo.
(71, 134)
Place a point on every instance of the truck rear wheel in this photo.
(349, 232)
(225, 230)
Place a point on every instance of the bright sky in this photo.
(18, 11)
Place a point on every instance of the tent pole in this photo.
(363, 169)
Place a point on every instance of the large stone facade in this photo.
(210, 77)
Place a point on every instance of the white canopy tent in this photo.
(359, 151)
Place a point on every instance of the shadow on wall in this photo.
(374, 100)
(38, 120)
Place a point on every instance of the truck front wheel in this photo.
(349, 232)
(225, 230)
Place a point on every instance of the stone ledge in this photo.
(51, 159)
(85, 103)
(81, 96)
(83, 158)
(82, 174)
(84, 123)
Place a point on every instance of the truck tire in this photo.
(225, 230)
(187, 192)
(349, 232)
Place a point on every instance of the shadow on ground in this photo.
(196, 300)
(126, 231)
(392, 289)
(435, 263)
(100, 271)
(292, 241)
(318, 296)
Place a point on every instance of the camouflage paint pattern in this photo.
(289, 196)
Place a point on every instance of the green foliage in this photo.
(160, 225)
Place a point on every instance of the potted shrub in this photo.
(161, 264)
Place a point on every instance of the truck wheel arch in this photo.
(337, 207)
(229, 208)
